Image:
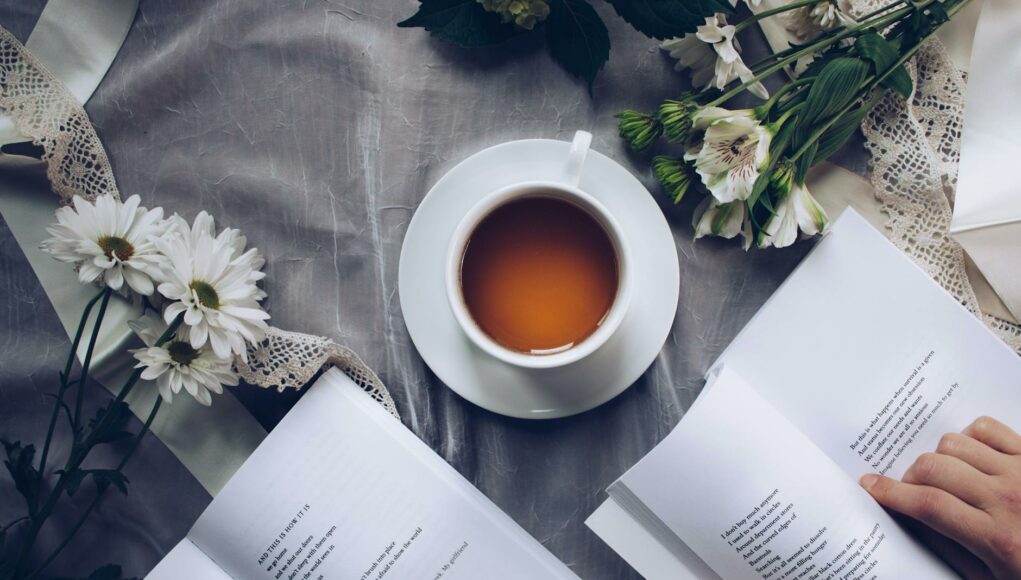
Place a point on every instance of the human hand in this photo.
(968, 492)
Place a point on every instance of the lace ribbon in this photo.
(44, 110)
(914, 150)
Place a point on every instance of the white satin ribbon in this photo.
(76, 41)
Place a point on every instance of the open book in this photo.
(342, 490)
(859, 363)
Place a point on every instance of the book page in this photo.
(653, 557)
(871, 359)
(742, 487)
(340, 489)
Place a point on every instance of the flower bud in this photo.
(674, 174)
(639, 129)
(676, 117)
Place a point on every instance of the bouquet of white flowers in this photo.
(200, 305)
(750, 165)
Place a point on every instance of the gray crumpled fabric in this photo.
(317, 127)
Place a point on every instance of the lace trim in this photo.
(43, 109)
(306, 355)
(914, 149)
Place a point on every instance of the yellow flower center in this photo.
(115, 247)
(182, 353)
(206, 294)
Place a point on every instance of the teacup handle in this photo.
(576, 157)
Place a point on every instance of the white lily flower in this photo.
(109, 241)
(176, 364)
(797, 210)
(725, 220)
(692, 51)
(213, 282)
(734, 150)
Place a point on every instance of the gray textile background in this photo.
(316, 127)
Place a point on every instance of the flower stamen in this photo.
(116, 248)
(206, 294)
(182, 353)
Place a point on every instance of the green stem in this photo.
(63, 389)
(811, 49)
(87, 361)
(861, 94)
(78, 456)
(130, 383)
(100, 492)
(773, 11)
(886, 8)
(764, 109)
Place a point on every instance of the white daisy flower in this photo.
(811, 21)
(733, 151)
(213, 281)
(713, 55)
(796, 210)
(109, 241)
(177, 364)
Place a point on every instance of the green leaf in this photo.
(804, 163)
(23, 473)
(73, 480)
(106, 477)
(883, 55)
(663, 19)
(462, 22)
(577, 38)
(837, 84)
(835, 87)
(910, 31)
(115, 428)
(834, 138)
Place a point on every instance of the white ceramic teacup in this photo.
(567, 190)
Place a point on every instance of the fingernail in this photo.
(868, 480)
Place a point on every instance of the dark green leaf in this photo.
(577, 38)
(73, 480)
(23, 473)
(107, 477)
(834, 138)
(757, 188)
(462, 22)
(883, 55)
(117, 414)
(665, 19)
(804, 163)
(919, 24)
(835, 87)
(819, 62)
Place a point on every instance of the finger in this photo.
(963, 562)
(975, 453)
(952, 476)
(995, 434)
(933, 507)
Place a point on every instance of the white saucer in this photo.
(540, 393)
